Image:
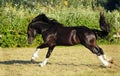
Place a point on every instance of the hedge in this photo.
(14, 21)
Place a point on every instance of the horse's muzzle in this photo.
(30, 40)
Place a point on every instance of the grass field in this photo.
(64, 61)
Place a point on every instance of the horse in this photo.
(56, 34)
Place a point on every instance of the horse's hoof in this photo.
(41, 64)
(108, 66)
(111, 60)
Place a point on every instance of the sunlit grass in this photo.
(64, 61)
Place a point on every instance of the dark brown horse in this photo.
(55, 34)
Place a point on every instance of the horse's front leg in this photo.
(35, 54)
(47, 56)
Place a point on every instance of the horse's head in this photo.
(41, 17)
(40, 24)
(35, 28)
(31, 34)
(37, 22)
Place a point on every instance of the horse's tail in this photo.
(104, 25)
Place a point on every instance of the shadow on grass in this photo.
(10, 62)
(92, 66)
(18, 62)
(77, 65)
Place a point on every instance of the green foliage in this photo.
(16, 15)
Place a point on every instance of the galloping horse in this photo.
(55, 34)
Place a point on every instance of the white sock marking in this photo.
(105, 57)
(44, 62)
(109, 59)
(103, 60)
(35, 55)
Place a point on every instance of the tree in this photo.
(112, 5)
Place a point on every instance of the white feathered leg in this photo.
(35, 55)
(43, 63)
(109, 59)
(105, 62)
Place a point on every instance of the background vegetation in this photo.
(15, 16)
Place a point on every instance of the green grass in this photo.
(64, 61)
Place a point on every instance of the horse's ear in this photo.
(42, 15)
(44, 18)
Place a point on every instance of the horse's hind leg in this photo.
(99, 52)
(109, 59)
(102, 56)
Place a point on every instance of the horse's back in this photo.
(74, 35)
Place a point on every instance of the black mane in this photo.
(45, 19)
(41, 17)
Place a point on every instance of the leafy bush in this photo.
(15, 17)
